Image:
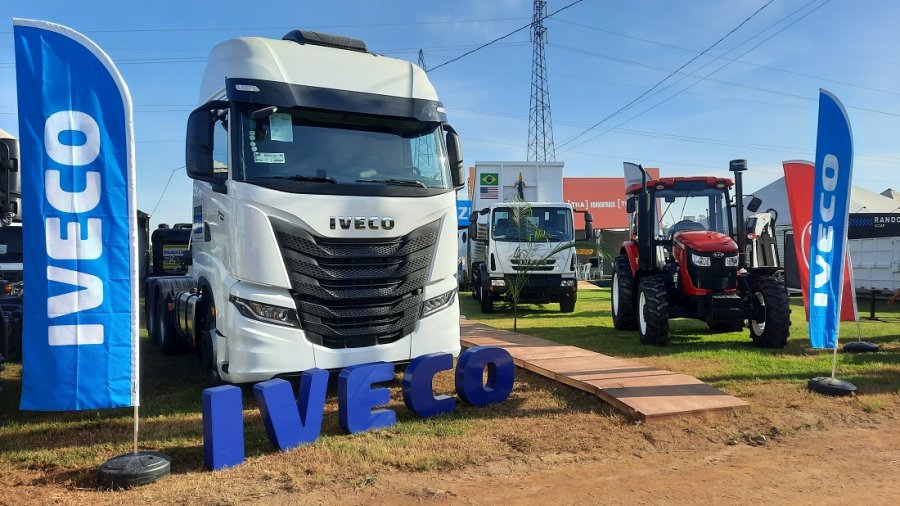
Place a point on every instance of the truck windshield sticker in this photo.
(268, 157)
(280, 128)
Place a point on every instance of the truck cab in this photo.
(324, 211)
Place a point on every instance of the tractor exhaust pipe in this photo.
(739, 166)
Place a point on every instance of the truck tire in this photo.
(772, 296)
(487, 301)
(653, 311)
(567, 304)
(207, 350)
(152, 294)
(169, 342)
(476, 283)
(622, 296)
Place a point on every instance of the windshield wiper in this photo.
(311, 179)
(395, 182)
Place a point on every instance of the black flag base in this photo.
(861, 347)
(831, 386)
(133, 469)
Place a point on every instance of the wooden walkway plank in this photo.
(639, 391)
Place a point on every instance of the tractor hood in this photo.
(705, 241)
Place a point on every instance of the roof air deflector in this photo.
(327, 40)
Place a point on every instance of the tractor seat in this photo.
(685, 225)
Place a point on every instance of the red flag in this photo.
(799, 176)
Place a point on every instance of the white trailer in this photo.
(324, 213)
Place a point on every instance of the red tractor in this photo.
(686, 260)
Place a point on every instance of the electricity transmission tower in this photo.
(540, 125)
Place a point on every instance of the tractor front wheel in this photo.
(770, 294)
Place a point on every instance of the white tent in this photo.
(876, 261)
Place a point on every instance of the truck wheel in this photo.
(169, 343)
(567, 304)
(773, 332)
(622, 295)
(150, 317)
(653, 311)
(487, 301)
(719, 327)
(207, 351)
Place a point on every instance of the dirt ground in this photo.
(851, 466)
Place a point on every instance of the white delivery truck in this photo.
(521, 235)
(324, 213)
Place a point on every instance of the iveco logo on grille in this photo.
(362, 223)
(717, 254)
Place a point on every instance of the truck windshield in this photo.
(533, 224)
(302, 146)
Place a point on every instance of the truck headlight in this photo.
(731, 261)
(498, 282)
(700, 261)
(435, 304)
(277, 315)
(567, 282)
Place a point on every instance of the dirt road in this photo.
(857, 466)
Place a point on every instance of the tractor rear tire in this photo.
(653, 311)
(774, 330)
(622, 296)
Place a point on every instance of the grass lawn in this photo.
(46, 456)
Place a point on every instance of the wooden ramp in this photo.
(641, 392)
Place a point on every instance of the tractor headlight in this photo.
(435, 304)
(277, 315)
(700, 261)
(731, 261)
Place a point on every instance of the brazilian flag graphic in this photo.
(489, 179)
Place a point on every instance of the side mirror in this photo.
(10, 180)
(588, 226)
(754, 204)
(464, 237)
(199, 144)
(473, 230)
(454, 153)
(630, 205)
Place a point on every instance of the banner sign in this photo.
(830, 212)
(870, 225)
(79, 219)
(798, 180)
(463, 208)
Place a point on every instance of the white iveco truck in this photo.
(324, 230)
(522, 236)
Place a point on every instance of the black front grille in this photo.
(716, 277)
(352, 293)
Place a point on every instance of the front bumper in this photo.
(537, 287)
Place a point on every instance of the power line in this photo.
(161, 195)
(244, 28)
(498, 39)
(707, 76)
(642, 95)
(733, 60)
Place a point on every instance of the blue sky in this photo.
(601, 55)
